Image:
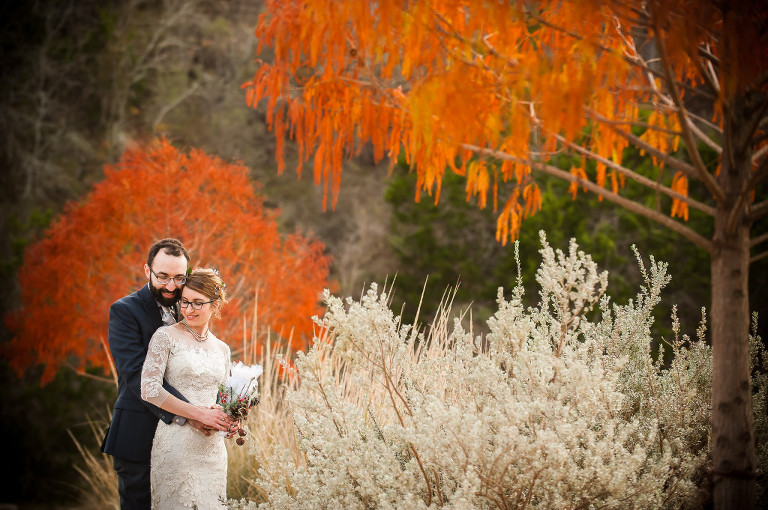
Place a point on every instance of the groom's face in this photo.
(166, 267)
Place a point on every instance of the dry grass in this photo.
(100, 490)
(269, 423)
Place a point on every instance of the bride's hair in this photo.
(207, 282)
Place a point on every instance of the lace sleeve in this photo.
(154, 368)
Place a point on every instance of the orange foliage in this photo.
(680, 184)
(93, 254)
(447, 81)
(497, 88)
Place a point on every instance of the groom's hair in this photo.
(170, 246)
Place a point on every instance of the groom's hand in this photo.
(205, 429)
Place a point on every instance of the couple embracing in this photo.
(169, 366)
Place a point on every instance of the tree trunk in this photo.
(733, 440)
(732, 437)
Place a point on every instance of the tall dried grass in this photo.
(100, 487)
(268, 424)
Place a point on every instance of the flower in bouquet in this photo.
(240, 392)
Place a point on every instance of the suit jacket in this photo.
(132, 322)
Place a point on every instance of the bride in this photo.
(189, 468)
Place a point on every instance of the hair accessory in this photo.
(217, 286)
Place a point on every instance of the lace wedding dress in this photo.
(189, 469)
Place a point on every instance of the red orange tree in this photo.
(492, 90)
(93, 254)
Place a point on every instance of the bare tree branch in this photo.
(690, 144)
(672, 161)
(628, 204)
(707, 72)
(757, 240)
(157, 40)
(758, 212)
(702, 135)
(173, 104)
(83, 373)
(762, 151)
(637, 62)
(759, 175)
(737, 212)
(456, 35)
(708, 123)
(649, 183)
(758, 257)
(754, 125)
(710, 57)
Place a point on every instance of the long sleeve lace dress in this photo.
(189, 469)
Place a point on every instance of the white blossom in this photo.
(242, 379)
(560, 406)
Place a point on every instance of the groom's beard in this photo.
(162, 299)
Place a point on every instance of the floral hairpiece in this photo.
(217, 286)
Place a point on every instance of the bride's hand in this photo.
(214, 417)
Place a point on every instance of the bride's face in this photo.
(196, 317)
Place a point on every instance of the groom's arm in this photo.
(128, 353)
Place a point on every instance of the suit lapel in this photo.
(150, 306)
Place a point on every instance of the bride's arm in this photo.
(153, 392)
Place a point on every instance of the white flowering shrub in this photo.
(560, 406)
(760, 410)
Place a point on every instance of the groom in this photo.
(132, 322)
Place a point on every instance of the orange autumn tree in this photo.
(492, 90)
(94, 252)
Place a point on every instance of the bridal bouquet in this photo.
(240, 392)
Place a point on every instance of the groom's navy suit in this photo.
(132, 322)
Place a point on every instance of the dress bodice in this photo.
(194, 368)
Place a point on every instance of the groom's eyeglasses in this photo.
(178, 280)
(196, 305)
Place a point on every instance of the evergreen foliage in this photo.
(454, 242)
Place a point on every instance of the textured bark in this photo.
(733, 442)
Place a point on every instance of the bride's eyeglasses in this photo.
(196, 305)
